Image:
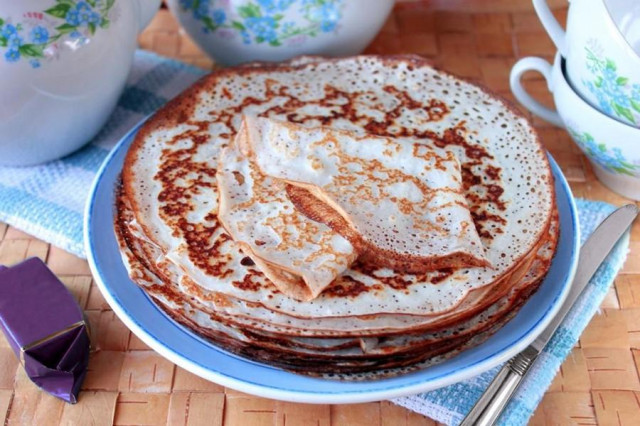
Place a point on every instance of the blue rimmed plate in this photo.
(195, 354)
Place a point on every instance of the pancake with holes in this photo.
(171, 196)
(300, 256)
(349, 358)
(401, 203)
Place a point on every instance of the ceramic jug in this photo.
(63, 65)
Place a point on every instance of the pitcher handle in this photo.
(544, 68)
(551, 25)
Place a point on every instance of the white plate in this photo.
(195, 354)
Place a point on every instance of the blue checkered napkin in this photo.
(48, 201)
(450, 404)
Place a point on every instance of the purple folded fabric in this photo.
(45, 327)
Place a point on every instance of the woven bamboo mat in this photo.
(129, 384)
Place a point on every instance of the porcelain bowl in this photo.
(237, 31)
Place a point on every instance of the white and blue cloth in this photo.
(48, 201)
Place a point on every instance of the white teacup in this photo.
(237, 31)
(63, 64)
(602, 49)
(613, 148)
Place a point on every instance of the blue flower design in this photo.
(603, 101)
(72, 17)
(246, 38)
(39, 35)
(12, 55)
(273, 6)
(288, 27)
(266, 21)
(263, 27)
(94, 18)
(29, 40)
(9, 30)
(612, 160)
(82, 14)
(328, 15)
(268, 5)
(614, 94)
(86, 15)
(203, 10)
(219, 16)
(610, 86)
(14, 41)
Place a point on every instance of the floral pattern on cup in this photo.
(610, 159)
(39, 35)
(267, 21)
(616, 95)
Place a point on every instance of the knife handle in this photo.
(490, 405)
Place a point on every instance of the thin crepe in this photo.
(401, 203)
(300, 256)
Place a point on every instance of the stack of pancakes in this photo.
(194, 203)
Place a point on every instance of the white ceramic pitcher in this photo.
(63, 65)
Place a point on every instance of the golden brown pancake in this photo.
(197, 271)
(300, 256)
(402, 202)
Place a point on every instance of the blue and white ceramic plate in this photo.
(195, 354)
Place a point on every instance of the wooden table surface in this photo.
(129, 384)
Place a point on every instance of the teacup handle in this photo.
(551, 24)
(544, 68)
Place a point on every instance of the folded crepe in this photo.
(300, 256)
(399, 203)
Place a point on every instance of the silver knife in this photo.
(490, 405)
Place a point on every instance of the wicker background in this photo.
(129, 384)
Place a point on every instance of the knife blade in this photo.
(592, 253)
